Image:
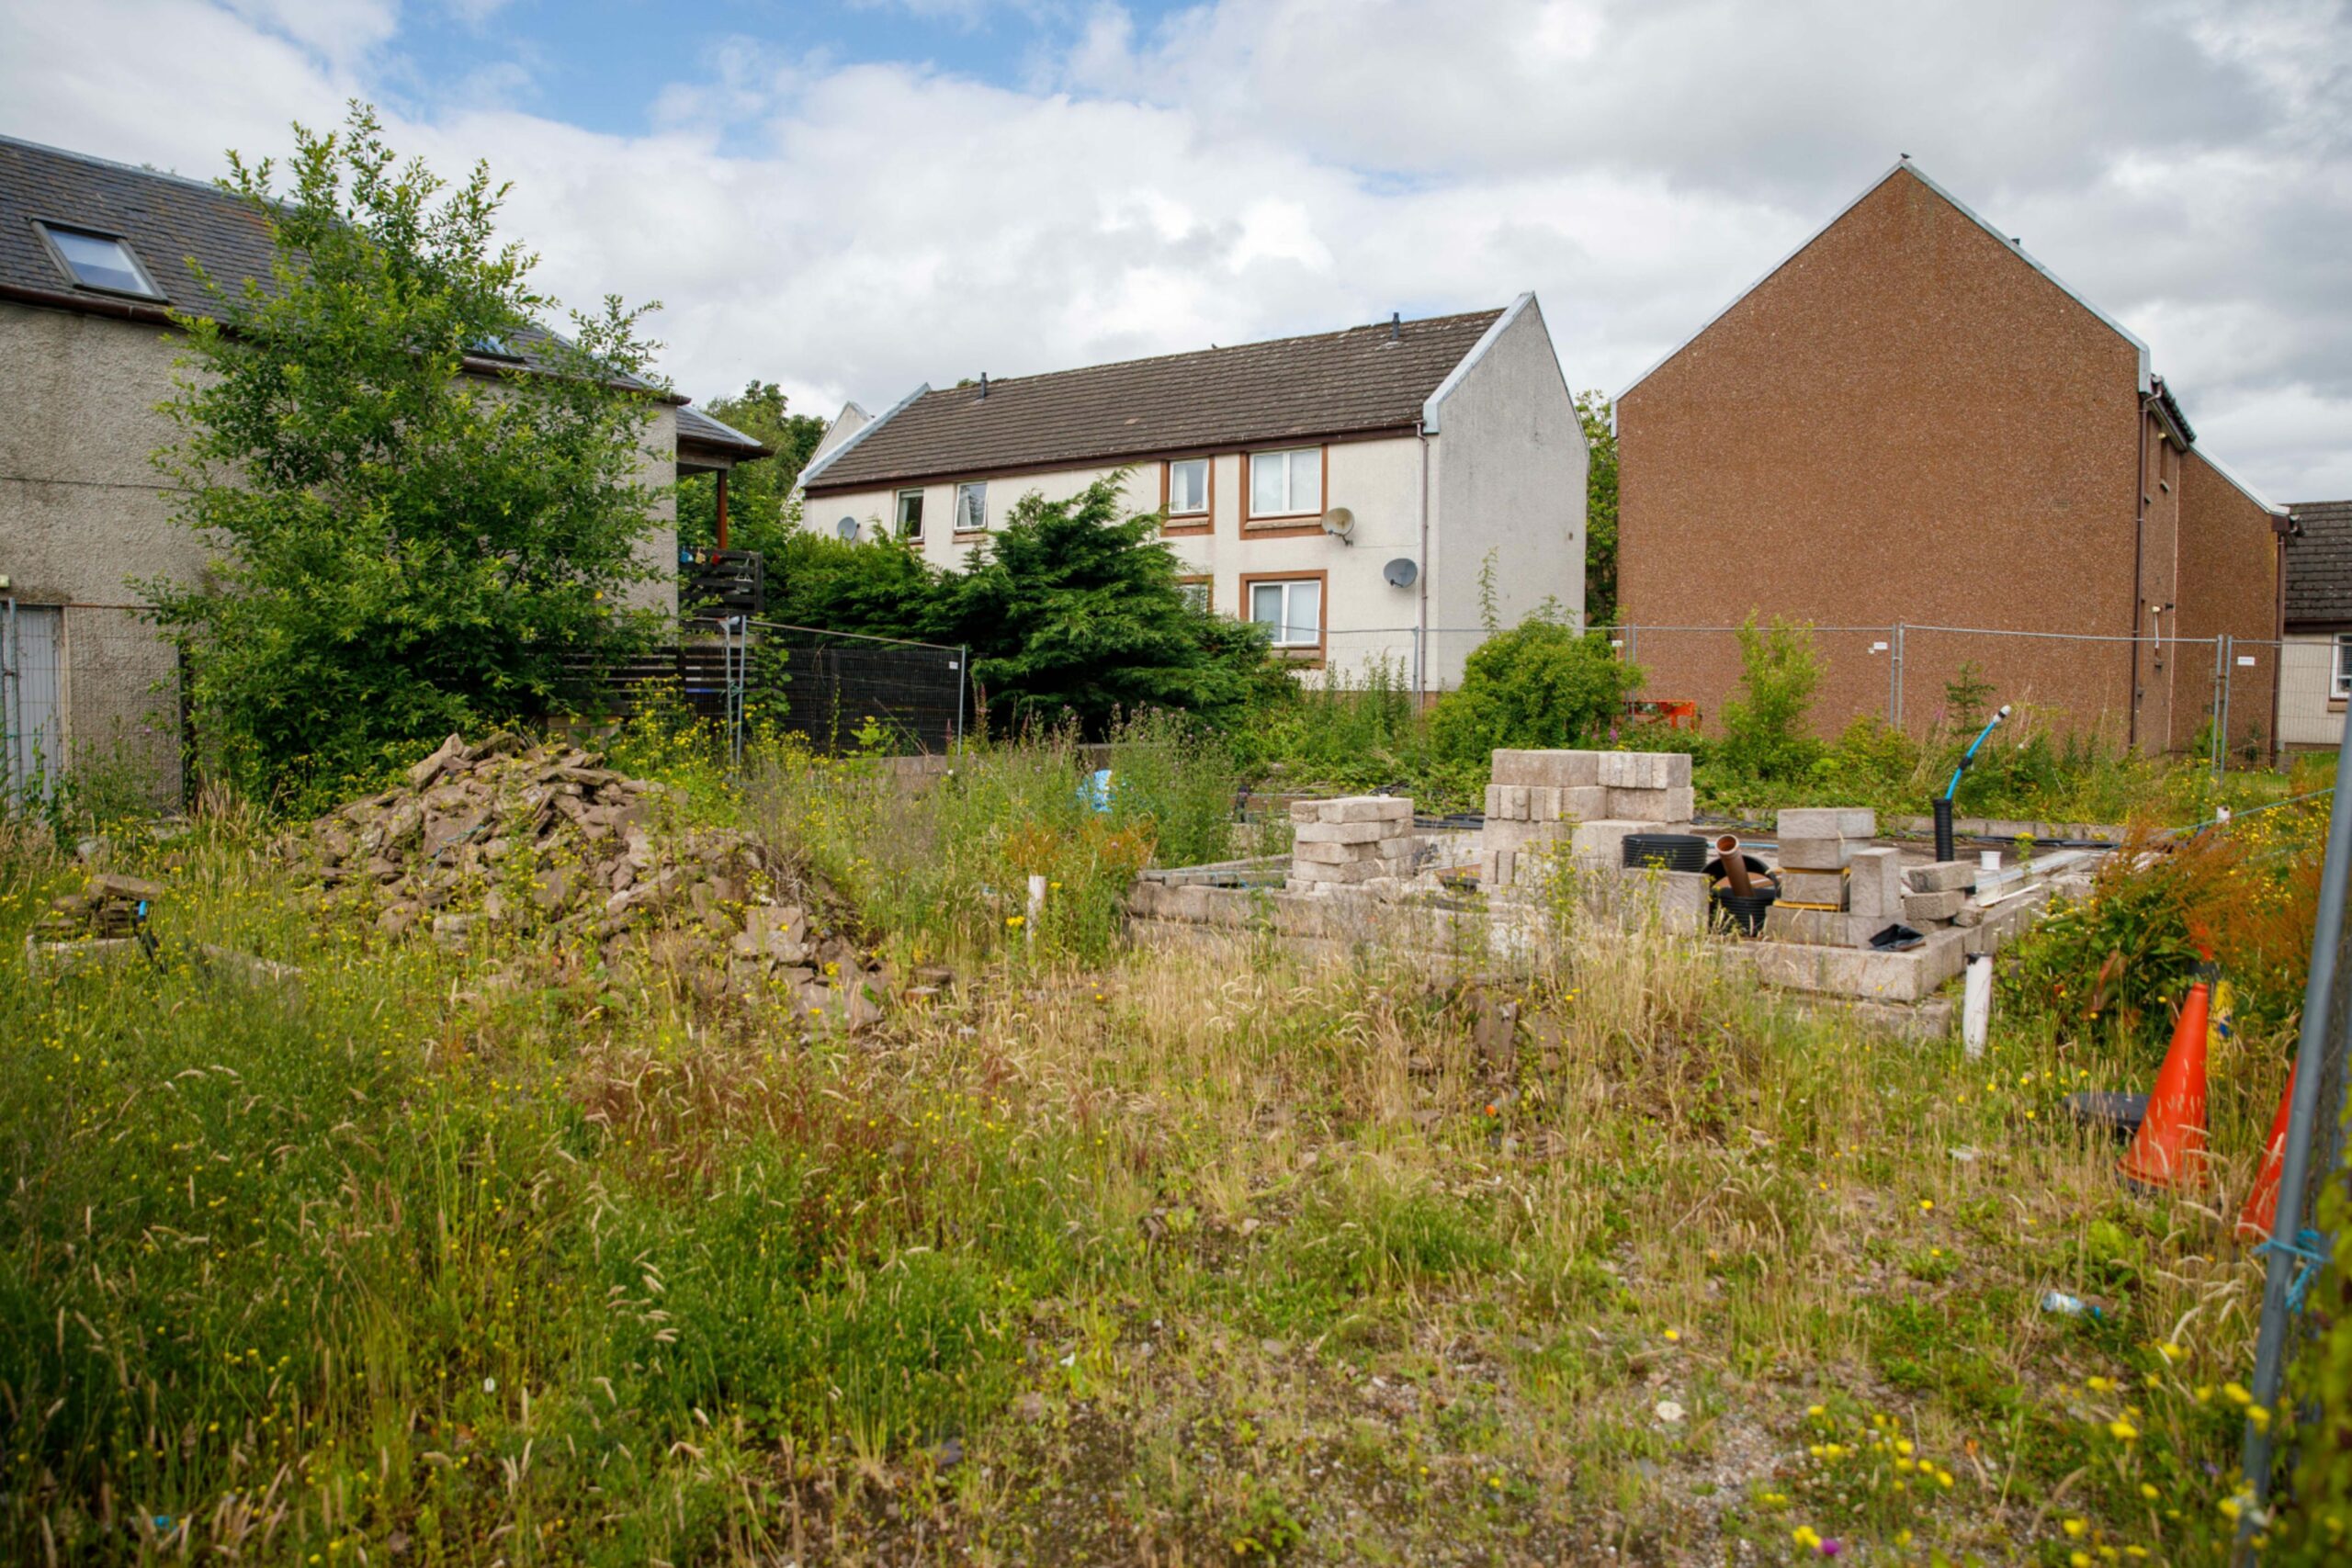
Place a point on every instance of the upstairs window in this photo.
(2342, 688)
(1187, 487)
(971, 507)
(99, 261)
(910, 515)
(1286, 484)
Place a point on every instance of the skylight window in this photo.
(100, 261)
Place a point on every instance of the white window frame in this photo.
(977, 491)
(1287, 624)
(1291, 457)
(898, 508)
(1175, 510)
(2340, 685)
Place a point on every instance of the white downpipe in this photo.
(1037, 904)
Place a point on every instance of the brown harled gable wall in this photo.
(2229, 583)
(1907, 421)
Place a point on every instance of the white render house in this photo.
(1348, 489)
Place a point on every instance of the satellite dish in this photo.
(846, 527)
(1400, 572)
(1338, 523)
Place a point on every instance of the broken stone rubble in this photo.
(546, 843)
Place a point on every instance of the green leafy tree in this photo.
(1541, 683)
(1768, 732)
(407, 545)
(1075, 614)
(877, 587)
(759, 508)
(1594, 412)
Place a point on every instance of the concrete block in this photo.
(2004, 922)
(1644, 770)
(1918, 907)
(1673, 804)
(1942, 876)
(1859, 972)
(1341, 832)
(1515, 802)
(1504, 868)
(1498, 834)
(1814, 887)
(1543, 803)
(1874, 884)
(1820, 928)
(1493, 805)
(1816, 855)
(1583, 803)
(1826, 822)
(1369, 808)
(1345, 872)
(1309, 851)
(1308, 810)
(1555, 769)
(1672, 900)
(1604, 838)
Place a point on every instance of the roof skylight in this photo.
(100, 261)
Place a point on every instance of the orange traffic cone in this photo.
(2170, 1148)
(2261, 1212)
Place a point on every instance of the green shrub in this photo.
(1541, 683)
(1767, 734)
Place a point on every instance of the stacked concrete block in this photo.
(1935, 894)
(1350, 841)
(1821, 839)
(1647, 786)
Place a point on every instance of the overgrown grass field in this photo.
(1108, 1253)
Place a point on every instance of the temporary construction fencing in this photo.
(2313, 1156)
(86, 690)
(2209, 696)
(843, 689)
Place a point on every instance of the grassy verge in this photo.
(1115, 1254)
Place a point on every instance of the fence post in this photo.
(1894, 676)
(963, 679)
(2213, 709)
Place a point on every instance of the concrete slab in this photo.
(1825, 887)
(1918, 907)
(1826, 822)
(1555, 769)
(1859, 972)
(1874, 884)
(1941, 876)
(1673, 804)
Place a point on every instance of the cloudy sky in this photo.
(854, 197)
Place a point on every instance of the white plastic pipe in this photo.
(1976, 1005)
(1036, 904)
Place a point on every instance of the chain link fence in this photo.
(90, 705)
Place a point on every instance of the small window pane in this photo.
(100, 263)
(1269, 484)
(1197, 595)
(1266, 603)
(2344, 663)
(1307, 481)
(971, 507)
(1305, 617)
(1188, 486)
(910, 515)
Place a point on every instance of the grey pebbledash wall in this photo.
(85, 516)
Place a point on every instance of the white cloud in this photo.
(1243, 170)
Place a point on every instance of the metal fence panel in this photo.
(834, 687)
(85, 691)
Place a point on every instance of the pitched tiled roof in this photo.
(1332, 383)
(166, 218)
(2319, 563)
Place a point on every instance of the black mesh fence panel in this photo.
(840, 692)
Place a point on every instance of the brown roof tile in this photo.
(1340, 383)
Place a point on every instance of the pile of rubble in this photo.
(109, 908)
(546, 845)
